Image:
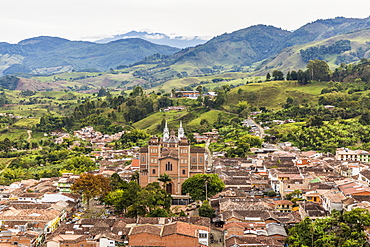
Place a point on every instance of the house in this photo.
(332, 199)
(175, 234)
(141, 231)
(66, 181)
(283, 205)
(311, 210)
(352, 155)
(364, 175)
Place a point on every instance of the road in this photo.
(209, 159)
(29, 134)
(260, 129)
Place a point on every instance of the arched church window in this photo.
(168, 166)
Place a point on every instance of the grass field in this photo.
(210, 116)
(151, 122)
(13, 134)
(273, 94)
(27, 122)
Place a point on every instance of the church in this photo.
(172, 155)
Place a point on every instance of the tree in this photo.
(315, 121)
(318, 70)
(268, 77)
(137, 91)
(202, 186)
(115, 181)
(278, 75)
(150, 198)
(80, 164)
(206, 210)
(124, 197)
(102, 92)
(135, 177)
(345, 229)
(91, 186)
(288, 76)
(164, 178)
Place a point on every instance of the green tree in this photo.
(278, 75)
(124, 197)
(198, 185)
(91, 186)
(318, 70)
(102, 92)
(206, 210)
(268, 77)
(338, 229)
(115, 181)
(79, 164)
(165, 179)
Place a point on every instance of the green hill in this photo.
(273, 94)
(291, 58)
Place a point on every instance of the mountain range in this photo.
(47, 55)
(256, 49)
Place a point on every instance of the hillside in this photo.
(47, 55)
(242, 47)
(291, 58)
(246, 50)
(273, 94)
(323, 29)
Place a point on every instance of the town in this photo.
(264, 194)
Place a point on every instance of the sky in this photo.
(95, 19)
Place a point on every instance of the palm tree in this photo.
(164, 178)
(135, 177)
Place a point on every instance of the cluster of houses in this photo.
(32, 209)
(210, 135)
(96, 138)
(265, 194)
(256, 207)
(191, 94)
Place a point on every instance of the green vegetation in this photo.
(202, 186)
(339, 229)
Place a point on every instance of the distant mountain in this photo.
(254, 44)
(323, 29)
(242, 47)
(47, 55)
(356, 46)
(157, 38)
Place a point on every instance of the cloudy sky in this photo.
(95, 19)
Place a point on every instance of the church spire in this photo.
(181, 131)
(166, 133)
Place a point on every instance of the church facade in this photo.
(172, 155)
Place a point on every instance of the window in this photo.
(183, 172)
(153, 150)
(143, 158)
(200, 159)
(168, 166)
(193, 159)
(184, 151)
(202, 235)
(153, 171)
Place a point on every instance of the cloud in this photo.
(154, 36)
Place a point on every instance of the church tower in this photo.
(181, 132)
(166, 133)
